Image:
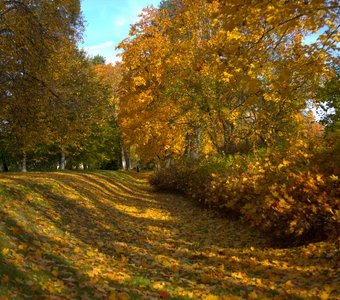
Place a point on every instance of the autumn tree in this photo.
(223, 76)
(32, 32)
(143, 115)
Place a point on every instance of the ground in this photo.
(109, 235)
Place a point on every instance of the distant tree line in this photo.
(57, 105)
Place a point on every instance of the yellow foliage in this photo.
(138, 81)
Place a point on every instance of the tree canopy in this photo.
(197, 79)
(223, 76)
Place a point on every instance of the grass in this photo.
(108, 235)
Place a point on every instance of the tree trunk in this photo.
(128, 162)
(196, 143)
(193, 143)
(62, 161)
(24, 162)
(4, 164)
(125, 160)
(187, 150)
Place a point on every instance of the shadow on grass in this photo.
(12, 276)
(85, 230)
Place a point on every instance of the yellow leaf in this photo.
(23, 247)
(90, 253)
(235, 258)
(334, 178)
(252, 295)
(324, 295)
(94, 272)
(5, 251)
(238, 275)
(288, 283)
(158, 285)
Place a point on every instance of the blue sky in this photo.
(107, 22)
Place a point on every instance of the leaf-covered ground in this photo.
(107, 235)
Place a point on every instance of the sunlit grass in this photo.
(106, 234)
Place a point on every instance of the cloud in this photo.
(99, 47)
(113, 59)
(120, 22)
(107, 50)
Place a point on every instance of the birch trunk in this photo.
(125, 160)
(24, 162)
(62, 161)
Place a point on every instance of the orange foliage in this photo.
(283, 194)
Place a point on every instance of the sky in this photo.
(107, 23)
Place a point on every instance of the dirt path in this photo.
(109, 235)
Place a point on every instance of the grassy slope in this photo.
(107, 235)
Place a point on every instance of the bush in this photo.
(285, 194)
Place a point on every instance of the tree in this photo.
(222, 76)
(32, 32)
(143, 118)
(98, 60)
(329, 106)
(81, 103)
(103, 146)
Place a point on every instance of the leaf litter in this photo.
(109, 235)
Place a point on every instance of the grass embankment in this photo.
(108, 235)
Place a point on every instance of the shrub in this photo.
(283, 193)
